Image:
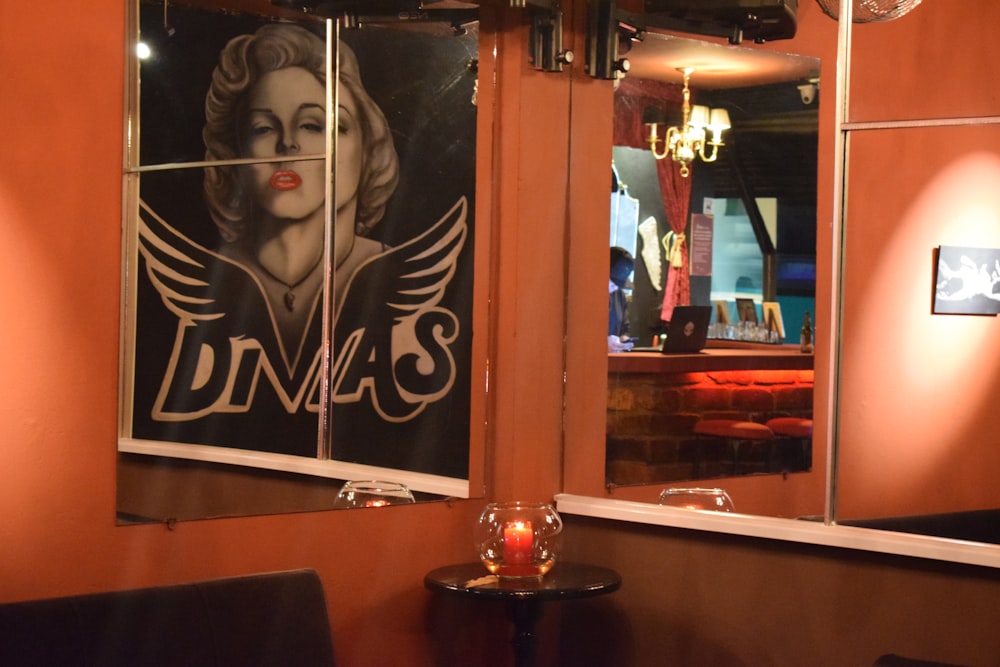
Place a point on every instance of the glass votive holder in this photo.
(698, 499)
(517, 539)
(372, 493)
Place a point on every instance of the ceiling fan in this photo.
(870, 11)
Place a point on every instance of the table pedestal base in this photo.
(524, 614)
(524, 596)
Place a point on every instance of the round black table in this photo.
(524, 596)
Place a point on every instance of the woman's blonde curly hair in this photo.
(242, 63)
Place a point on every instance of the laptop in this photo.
(687, 330)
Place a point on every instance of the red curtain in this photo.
(632, 99)
(676, 202)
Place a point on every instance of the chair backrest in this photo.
(271, 619)
(893, 660)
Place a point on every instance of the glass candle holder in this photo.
(698, 499)
(519, 539)
(372, 493)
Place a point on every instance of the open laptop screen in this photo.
(687, 330)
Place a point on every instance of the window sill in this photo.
(789, 530)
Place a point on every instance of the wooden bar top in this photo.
(717, 356)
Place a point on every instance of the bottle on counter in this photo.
(806, 340)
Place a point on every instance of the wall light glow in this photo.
(917, 387)
(960, 207)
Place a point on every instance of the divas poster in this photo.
(226, 323)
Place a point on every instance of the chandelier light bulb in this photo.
(690, 140)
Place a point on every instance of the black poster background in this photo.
(423, 82)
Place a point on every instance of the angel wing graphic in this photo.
(390, 313)
(390, 335)
(407, 278)
(225, 325)
(200, 285)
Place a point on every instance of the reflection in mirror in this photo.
(895, 206)
(714, 499)
(298, 275)
(735, 235)
(372, 493)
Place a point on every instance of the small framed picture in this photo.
(771, 311)
(721, 311)
(747, 310)
(967, 281)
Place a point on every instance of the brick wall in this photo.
(651, 417)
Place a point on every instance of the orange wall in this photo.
(913, 404)
(727, 601)
(918, 406)
(60, 207)
(918, 412)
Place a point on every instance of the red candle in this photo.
(518, 543)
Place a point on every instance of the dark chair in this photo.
(735, 432)
(795, 434)
(264, 620)
(893, 660)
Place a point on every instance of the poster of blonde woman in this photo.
(230, 236)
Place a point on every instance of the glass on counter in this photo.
(750, 332)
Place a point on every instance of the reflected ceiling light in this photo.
(150, 46)
(683, 144)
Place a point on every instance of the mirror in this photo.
(739, 230)
(935, 425)
(892, 201)
(299, 282)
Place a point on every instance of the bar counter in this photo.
(655, 400)
(717, 356)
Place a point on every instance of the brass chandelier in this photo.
(700, 131)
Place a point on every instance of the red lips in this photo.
(285, 179)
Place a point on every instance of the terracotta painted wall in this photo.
(60, 208)
(697, 599)
(918, 417)
(726, 601)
